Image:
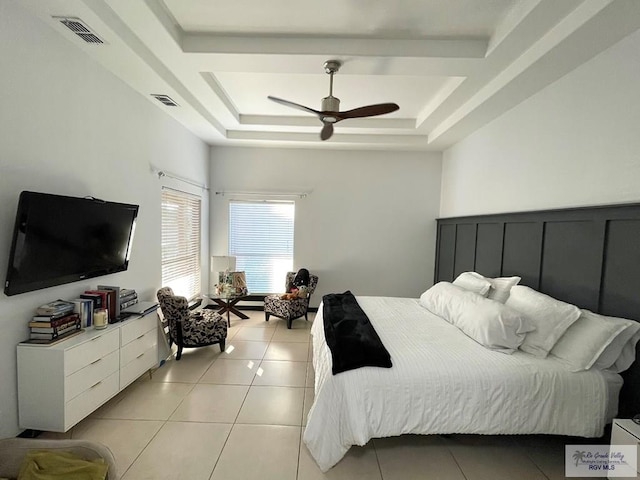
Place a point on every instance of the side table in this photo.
(625, 432)
(227, 304)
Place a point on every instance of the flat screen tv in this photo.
(59, 239)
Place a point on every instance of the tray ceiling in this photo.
(451, 66)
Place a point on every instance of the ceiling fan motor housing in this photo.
(330, 104)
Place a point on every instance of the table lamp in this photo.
(220, 267)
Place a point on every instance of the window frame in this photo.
(277, 279)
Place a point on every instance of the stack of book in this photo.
(128, 298)
(54, 321)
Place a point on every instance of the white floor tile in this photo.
(259, 452)
(291, 351)
(181, 450)
(211, 403)
(231, 372)
(415, 457)
(125, 438)
(254, 334)
(192, 365)
(479, 462)
(281, 373)
(298, 333)
(245, 350)
(147, 401)
(359, 463)
(272, 406)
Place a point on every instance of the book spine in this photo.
(125, 292)
(55, 332)
(55, 322)
(56, 307)
(126, 298)
(128, 304)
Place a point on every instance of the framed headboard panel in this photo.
(589, 257)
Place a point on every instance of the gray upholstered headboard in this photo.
(586, 256)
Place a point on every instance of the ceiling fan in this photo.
(330, 112)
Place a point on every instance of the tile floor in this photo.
(240, 415)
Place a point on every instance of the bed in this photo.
(443, 382)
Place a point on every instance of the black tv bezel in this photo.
(10, 289)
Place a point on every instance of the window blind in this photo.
(261, 239)
(181, 242)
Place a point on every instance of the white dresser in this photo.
(626, 432)
(59, 385)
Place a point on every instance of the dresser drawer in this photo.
(84, 354)
(85, 403)
(137, 327)
(143, 362)
(134, 348)
(83, 379)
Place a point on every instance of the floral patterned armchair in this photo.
(289, 310)
(190, 329)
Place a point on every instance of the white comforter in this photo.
(442, 382)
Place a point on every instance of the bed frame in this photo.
(589, 257)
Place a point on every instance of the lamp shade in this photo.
(223, 264)
(220, 264)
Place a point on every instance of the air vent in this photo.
(165, 99)
(80, 28)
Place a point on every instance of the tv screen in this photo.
(58, 239)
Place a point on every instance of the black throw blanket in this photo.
(350, 336)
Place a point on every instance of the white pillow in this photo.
(550, 317)
(500, 288)
(584, 341)
(621, 352)
(492, 324)
(474, 282)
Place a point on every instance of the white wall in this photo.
(69, 127)
(575, 143)
(367, 225)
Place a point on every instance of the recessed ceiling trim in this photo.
(221, 93)
(408, 140)
(310, 121)
(308, 45)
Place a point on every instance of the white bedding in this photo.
(444, 382)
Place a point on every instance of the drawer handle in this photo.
(95, 361)
(95, 338)
(140, 336)
(142, 354)
(94, 386)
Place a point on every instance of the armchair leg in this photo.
(266, 316)
(289, 322)
(222, 345)
(179, 354)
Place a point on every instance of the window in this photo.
(181, 242)
(261, 239)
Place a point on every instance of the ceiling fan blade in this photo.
(327, 131)
(287, 103)
(369, 111)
